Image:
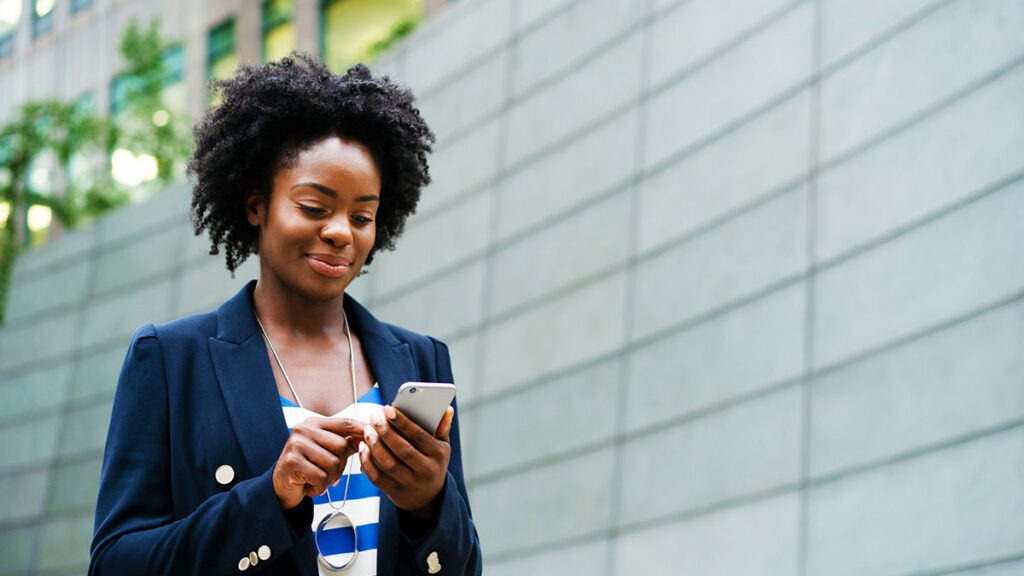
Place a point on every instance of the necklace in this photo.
(338, 518)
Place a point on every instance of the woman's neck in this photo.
(277, 306)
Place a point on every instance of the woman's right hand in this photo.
(314, 457)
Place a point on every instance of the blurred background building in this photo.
(732, 287)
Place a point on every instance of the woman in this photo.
(219, 451)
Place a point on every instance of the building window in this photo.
(42, 17)
(79, 5)
(222, 57)
(174, 95)
(357, 30)
(278, 29)
(10, 13)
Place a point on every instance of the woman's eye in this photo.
(362, 219)
(312, 210)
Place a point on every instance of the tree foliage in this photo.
(75, 145)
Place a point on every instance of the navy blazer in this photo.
(197, 394)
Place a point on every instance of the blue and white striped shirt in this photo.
(363, 503)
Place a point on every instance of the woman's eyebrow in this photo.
(327, 191)
(318, 187)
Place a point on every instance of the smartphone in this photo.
(425, 402)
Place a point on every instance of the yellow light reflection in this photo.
(39, 217)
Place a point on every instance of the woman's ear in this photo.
(255, 209)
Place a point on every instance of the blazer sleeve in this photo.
(136, 531)
(451, 547)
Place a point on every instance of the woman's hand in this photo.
(314, 457)
(406, 462)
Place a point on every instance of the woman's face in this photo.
(319, 225)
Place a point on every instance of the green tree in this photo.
(78, 146)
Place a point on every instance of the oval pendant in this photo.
(336, 519)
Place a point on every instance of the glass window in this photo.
(174, 88)
(10, 13)
(222, 57)
(278, 29)
(356, 30)
(42, 17)
(79, 5)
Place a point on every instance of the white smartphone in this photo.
(425, 402)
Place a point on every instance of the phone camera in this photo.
(412, 390)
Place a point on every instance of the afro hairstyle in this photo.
(270, 113)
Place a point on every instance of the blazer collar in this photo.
(247, 382)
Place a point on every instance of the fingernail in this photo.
(369, 433)
(389, 412)
(375, 419)
(362, 447)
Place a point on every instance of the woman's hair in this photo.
(270, 113)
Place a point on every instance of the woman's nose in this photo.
(337, 232)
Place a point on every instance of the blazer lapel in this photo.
(390, 359)
(247, 383)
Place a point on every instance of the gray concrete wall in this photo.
(732, 288)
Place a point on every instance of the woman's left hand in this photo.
(406, 462)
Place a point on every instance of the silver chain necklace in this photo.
(338, 516)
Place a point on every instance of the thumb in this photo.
(445, 427)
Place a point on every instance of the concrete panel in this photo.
(471, 98)
(569, 36)
(567, 499)
(139, 259)
(758, 158)
(584, 243)
(692, 31)
(441, 307)
(740, 257)
(542, 189)
(944, 159)
(16, 549)
(157, 213)
(58, 285)
(206, 284)
(65, 543)
(946, 268)
(84, 430)
(589, 558)
(557, 417)
(585, 324)
(529, 12)
(847, 25)
(464, 360)
(758, 345)
(96, 374)
(75, 487)
(462, 34)
(43, 389)
(953, 507)
(72, 246)
(573, 102)
(429, 245)
(952, 47)
(759, 539)
(25, 496)
(734, 84)
(29, 443)
(115, 319)
(44, 338)
(462, 165)
(739, 451)
(932, 390)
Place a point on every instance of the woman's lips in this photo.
(329, 265)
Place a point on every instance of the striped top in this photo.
(363, 505)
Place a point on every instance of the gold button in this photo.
(433, 564)
(263, 552)
(224, 475)
(253, 558)
(243, 564)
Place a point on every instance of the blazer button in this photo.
(253, 558)
(433, 564)
(243, 564)
(224, 475)
(263, 552)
